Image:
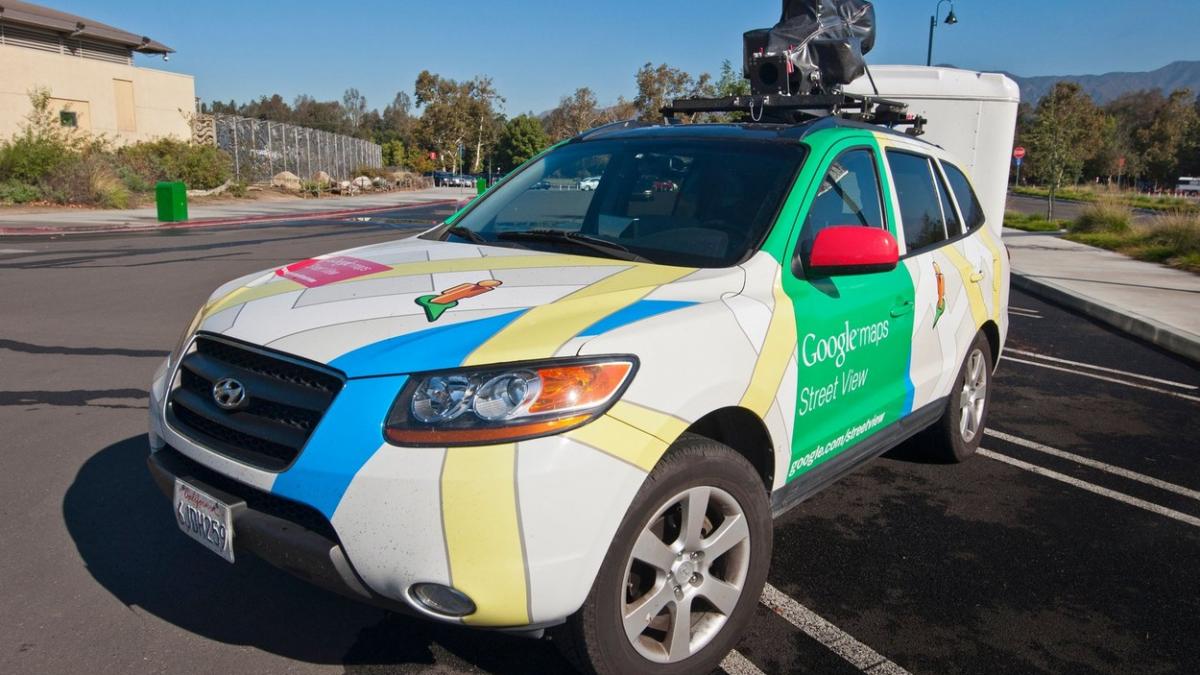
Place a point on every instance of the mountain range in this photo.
(1106, 87)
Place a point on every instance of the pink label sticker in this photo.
(316, 272)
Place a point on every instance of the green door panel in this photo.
(854, 332)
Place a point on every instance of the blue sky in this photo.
(540, 50)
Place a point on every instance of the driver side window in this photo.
(848, 195)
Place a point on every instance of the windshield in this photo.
(688, 202)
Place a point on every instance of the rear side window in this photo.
(920, 205)
(968, 201)
(848, 195)
(953, 227)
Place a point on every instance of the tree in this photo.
(481, 104)
(574, 115)
(1131, 113)
(355, 105)
(1164, 141)
(1064, 136)
(393, 153)
(445, 122)
(522, 139)
(324, 115)
(658, 85)
(274, 109)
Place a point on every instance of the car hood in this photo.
(415, 304)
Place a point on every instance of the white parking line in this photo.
(1089, 366)
(16, 250)
(1096, 489)
(1102, 377)
(1023, 315)
(1025, 309)
(835, 639)
(1087, 461)
(736, 664)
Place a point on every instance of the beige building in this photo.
(88, 69)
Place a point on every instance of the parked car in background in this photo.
(589, 183)
(1189, 185)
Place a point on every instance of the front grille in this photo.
(285, 400)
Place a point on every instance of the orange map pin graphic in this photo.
(436, 305)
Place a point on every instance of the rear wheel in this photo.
(957, 435)
(684, 572)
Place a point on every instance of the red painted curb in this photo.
(215, 222)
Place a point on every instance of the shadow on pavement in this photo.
(122, 526)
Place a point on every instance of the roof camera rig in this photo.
(797, 69)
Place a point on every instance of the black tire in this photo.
(594, 638)
(946, 441)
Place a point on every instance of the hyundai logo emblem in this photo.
(229, 393)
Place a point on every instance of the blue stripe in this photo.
(429, 349)
(347, 437)
(909, 389)
(642, 309)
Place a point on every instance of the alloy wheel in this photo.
(686, 574)
(973, 397)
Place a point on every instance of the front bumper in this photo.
(286, 534)
(521, 528)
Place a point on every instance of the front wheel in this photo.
(682, 577)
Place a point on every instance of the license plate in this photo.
(204, 518)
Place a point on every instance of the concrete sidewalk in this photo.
(1153, 302)
(99, 220)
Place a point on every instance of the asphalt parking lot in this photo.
(1071, 545)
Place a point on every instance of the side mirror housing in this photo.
(852, 249)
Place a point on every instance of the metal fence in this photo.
(261, 149)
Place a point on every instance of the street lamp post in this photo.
(950, 21)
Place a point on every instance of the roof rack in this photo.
(795, 108)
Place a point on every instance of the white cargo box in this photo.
(973, 115)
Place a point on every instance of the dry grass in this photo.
(1172, 239)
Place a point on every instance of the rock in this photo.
(381, 182)
(286, 180)
(362, 182)
(322, 177)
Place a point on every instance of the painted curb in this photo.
(45, 230)
(1178, 342)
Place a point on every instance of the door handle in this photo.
(903, 307)
(976, 276)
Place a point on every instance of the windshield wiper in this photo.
(611, 248)
(470, 235)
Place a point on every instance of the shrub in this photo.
(201, 167)
(1105, 215)
(16, 192)
(106, 187)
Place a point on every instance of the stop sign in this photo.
(1018, 152)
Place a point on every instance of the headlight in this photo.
(495, 404)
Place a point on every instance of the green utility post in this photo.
(481, 185)
(172, 201)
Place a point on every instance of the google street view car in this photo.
(578, 410)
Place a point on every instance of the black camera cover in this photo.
(824, 40)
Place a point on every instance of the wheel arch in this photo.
(992, 332)
(743, 431)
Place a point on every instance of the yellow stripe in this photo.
(544, 329)
(616, 438)
(997, 270)
(667, 427)
(974, 292)
(773, 359)
(483, 535)
(282, 285)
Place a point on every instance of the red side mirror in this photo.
(853, 249)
